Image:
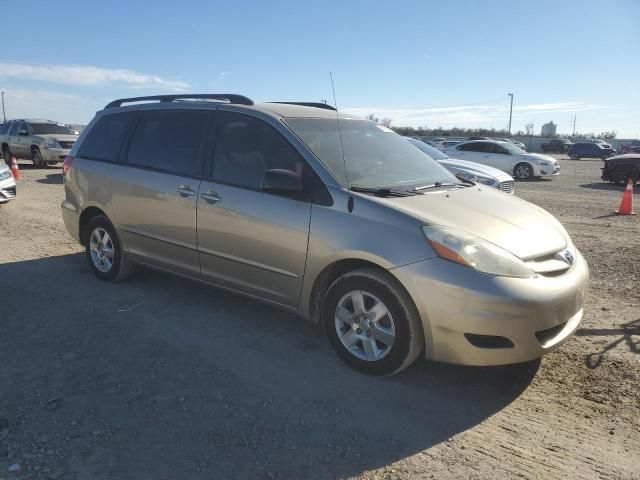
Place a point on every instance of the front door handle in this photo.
(211, 196)
(185, 191)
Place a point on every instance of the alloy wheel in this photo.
(364, 325)
(101, 249)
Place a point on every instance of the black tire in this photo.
(36, 157)
(623, 173)
(409, 336)
(523, 171)
(6, 154)
(122, 267)
(573, 156)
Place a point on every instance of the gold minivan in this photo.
(336, 218)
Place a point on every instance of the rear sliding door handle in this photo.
(185, 191)
(211, 196)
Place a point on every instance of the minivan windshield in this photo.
(374, 156)
(51, 129)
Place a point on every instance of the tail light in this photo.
(66, 166)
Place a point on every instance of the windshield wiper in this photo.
(436, 185)
(382, 191)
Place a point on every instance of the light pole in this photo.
(4, 115)
(510, 112)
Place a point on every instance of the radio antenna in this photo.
(335, 104)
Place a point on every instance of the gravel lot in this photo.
(160, 377)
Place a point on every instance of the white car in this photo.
(7, 184)
(507, 157)
(438, 142)
(471, 171)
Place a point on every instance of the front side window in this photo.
(361, 153)
(246, 147)
(14, 128)
(105, 138)
(170, 140)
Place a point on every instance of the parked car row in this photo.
(44, 142)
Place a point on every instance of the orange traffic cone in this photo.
(626, 205)
(14, 168)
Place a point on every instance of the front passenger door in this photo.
(250, 240)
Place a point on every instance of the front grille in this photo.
(544, 336)
(507, 187)
(9, 192)
(66, 144)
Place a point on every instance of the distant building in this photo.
(548, 130)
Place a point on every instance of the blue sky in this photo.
(417, 62)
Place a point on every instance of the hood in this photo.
(60, 137)
(540, 156)
(474, 168)
(519, 227)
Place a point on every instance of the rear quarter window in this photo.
(104, 140)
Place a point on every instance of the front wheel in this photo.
(573, 156)
(372, 323)
(104, 251)
(523, 171)
(37, 158)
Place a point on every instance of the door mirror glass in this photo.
(281, 182)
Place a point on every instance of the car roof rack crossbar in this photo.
(310, 104)
(223, 97)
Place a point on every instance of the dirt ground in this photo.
(162, 378)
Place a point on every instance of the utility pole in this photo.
(574, 125)
(4, 115)
(510, 112)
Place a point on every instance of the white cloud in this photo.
(466, 115)
(88, 76)
(57, 106)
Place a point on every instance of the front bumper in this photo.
(54, 154)
(459, 305)
(7, 189)
(548, 171)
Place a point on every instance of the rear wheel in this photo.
(523, 171)
(372, 323)
(573, 156)
(624, 173)
(104, 251)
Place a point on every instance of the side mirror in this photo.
(23, 133)
(284, 182)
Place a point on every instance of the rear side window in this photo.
(171, 141)
(246, 147)
(105, 138)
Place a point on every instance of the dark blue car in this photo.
(589, 150)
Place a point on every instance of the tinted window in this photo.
(23, 126)
(3, 128)
(246, 147)
(14, 128)
(51, 129)
(472, 147)
(170, 140)
(105, 138)
(495, 148)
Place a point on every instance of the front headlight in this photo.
(543, 162)
(5, 174)
(52, 143)
(467, 249)
(485, 180)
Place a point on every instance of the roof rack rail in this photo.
(310, 104)
(223, 97)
